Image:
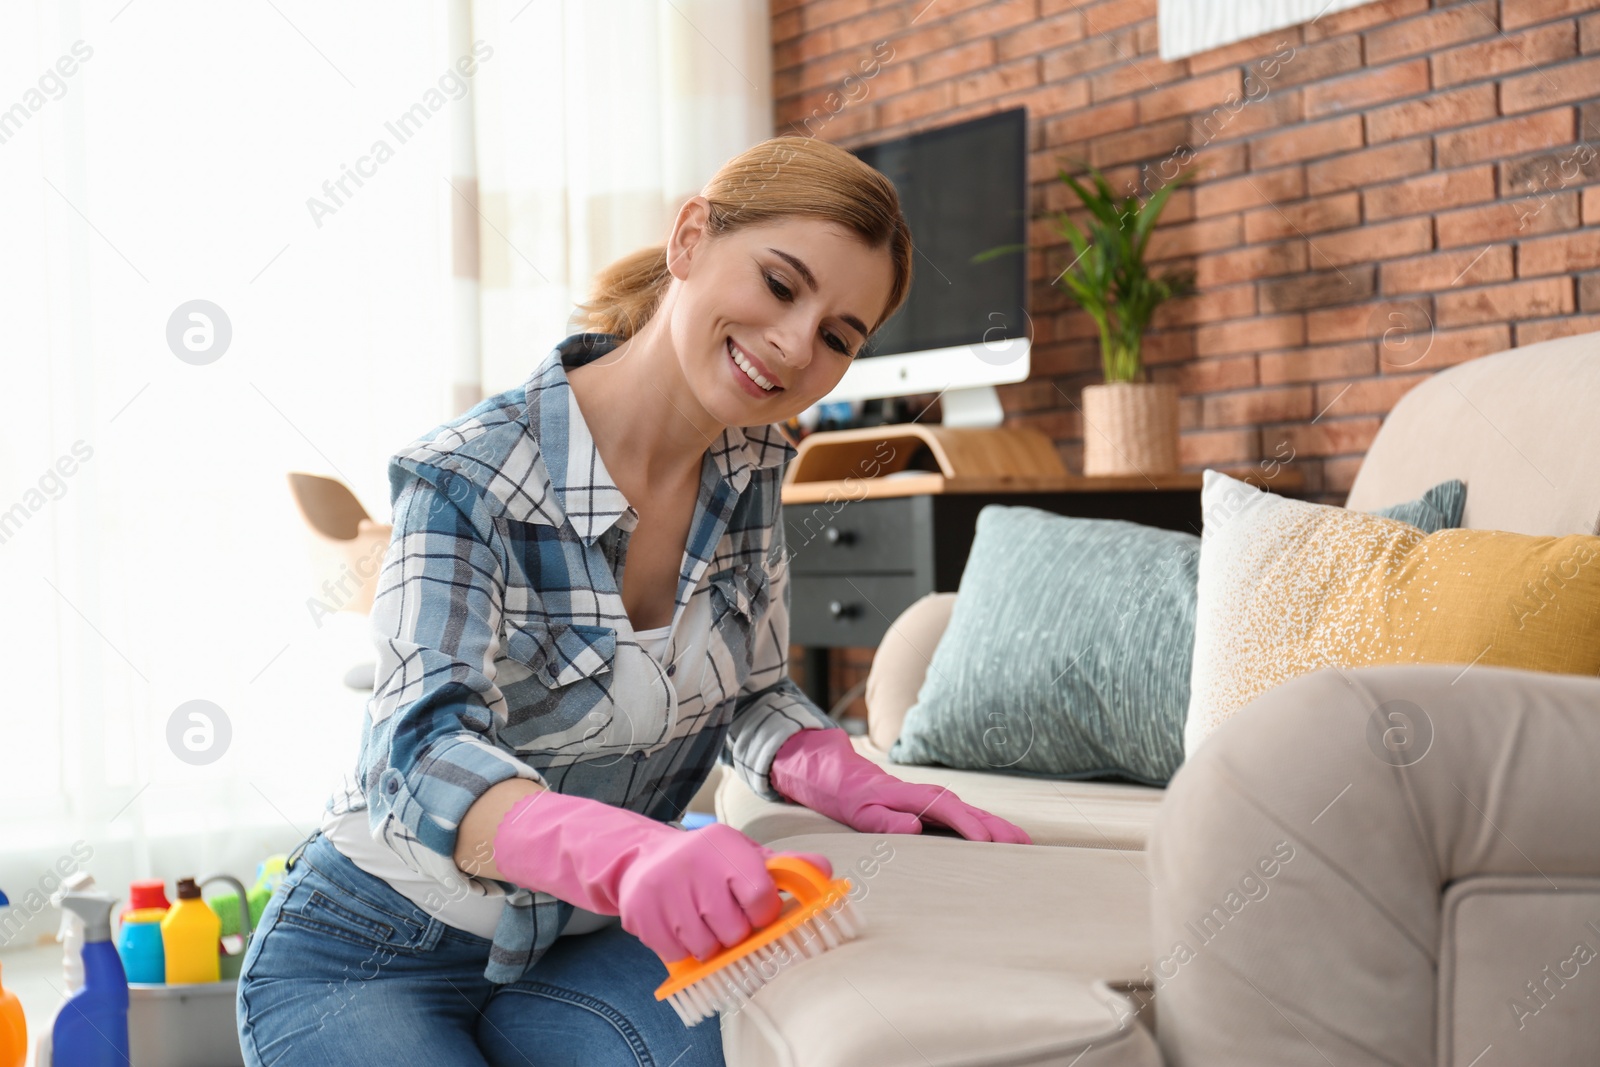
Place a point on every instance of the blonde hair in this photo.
(780, 178)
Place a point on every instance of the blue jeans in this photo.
(344, 969)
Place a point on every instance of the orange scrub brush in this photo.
(818, 916)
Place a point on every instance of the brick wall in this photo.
(1390, 190)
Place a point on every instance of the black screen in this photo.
(963, 190)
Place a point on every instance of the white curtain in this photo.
(309, 170)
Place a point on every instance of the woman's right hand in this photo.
(681, 892)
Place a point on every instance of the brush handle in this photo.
(799, 879)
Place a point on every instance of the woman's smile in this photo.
(751, 374)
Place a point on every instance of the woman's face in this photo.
(790, 300)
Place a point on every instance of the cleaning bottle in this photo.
(91, 1029)
(139, 944)
(13, 1023)
(150, 893)
(189, 937)
(70, 932)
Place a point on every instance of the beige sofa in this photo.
(1291, 897)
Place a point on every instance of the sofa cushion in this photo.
(1288, 587)
(1517, 427)
(1088, 814)
(973, 954)
(1067, 654)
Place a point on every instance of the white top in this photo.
(464, 905)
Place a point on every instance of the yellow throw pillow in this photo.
(1288, 587)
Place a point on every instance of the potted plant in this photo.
(1130, 424)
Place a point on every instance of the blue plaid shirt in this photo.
(502, 635)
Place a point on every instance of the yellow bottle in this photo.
(189, 937)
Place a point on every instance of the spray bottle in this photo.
(13, 1023)
(70, 933)
(91, 1029)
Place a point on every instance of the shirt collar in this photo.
(589, 496)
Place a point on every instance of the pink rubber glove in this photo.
(823, 771)
(681, 892)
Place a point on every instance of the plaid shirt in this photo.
(502, 635)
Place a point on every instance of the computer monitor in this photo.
(964, 327)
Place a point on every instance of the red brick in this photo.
(1114, 14)
(1094, 52)
(1210, 447)
(989, 18)
(1253, 190)
(1589, 34)
(1213, 305)
(1142, 142)
(1046, 99)
(1567, 326)
(1443, 270)
(1438, 111)
(1056, 358)
(1323, 288)
(1371, 396)
(1430, 33)
(938, 66)
(1302, 217)
(1506, 219)
(1248, 52)
(1190, 95)
(1243, 117)
(1430, 192)
(1402, 237)
(1249, 335)
(1317, 364)
(1365, 321)
(1332, 437)
(1257, 406)
(1561, 254)
(1443, 348)
(1090, 122)
(1315, 62)
(1496, 140)
(1255, 261)
(1358, 91)
(1527, 12)
(1360, 17)
(1132, 77)
(1498, 303)
(1347, 171)
(1505, 52)
(1006, 78)
(1310, 141)
(1552, 85)
(916, 104)
(1041, 36)
(815, 13)
(1206, 235)
(785, 25)
(1211, 375)
(1591, 206)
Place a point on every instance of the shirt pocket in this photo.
(560, 653)
(562, 682)
(739, 602)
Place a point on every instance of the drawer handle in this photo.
(843, 611)
(837, 536)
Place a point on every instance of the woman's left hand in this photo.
(822, 770)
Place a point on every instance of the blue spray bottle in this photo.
(91, 1029)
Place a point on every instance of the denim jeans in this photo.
(344, 969)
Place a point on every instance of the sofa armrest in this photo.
(901, 662)
(1305, 859)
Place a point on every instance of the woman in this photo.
(585, 606)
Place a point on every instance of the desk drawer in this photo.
(855, 537)
(848, 610)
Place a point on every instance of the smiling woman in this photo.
(538, 723)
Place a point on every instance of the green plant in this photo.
(1108, 275)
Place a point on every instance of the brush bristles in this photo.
(731, 987)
